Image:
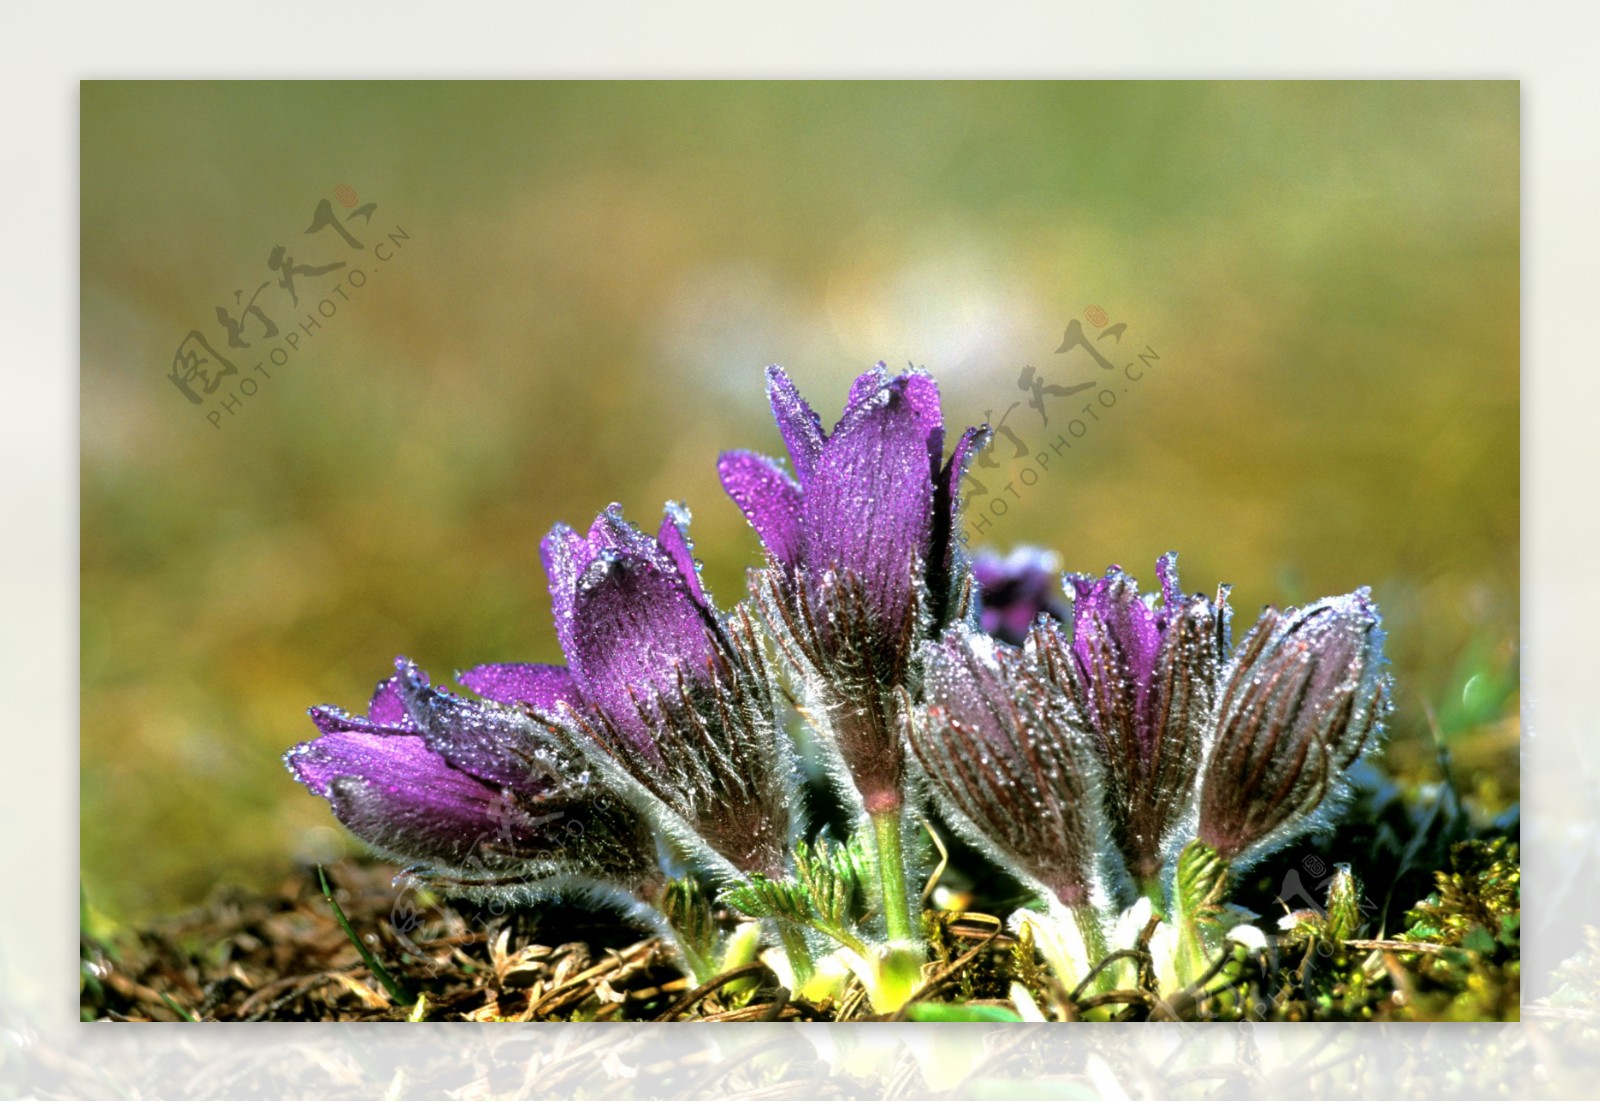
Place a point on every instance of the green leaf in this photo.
(1479, 940)
(1202, 881)
(954, 1012)
(759, 897)
(831, 875)
(397, 990)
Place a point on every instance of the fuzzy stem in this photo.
(1151, 889)
(1094, 943)
(892, 876)
(798, 952)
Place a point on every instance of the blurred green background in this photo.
(594, 277)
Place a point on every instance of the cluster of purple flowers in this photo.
(1079, 746)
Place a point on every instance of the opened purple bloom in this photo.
(668, 696)
(1144, 678)
(472, 792)
(1015, 590)
(1306, 696)
(864, 555)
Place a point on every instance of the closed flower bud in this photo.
(1005, 757)
(1305, 697)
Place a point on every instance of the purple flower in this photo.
(1016, 590)
(475, 793)
(864, 560)
(670, 699)
(1306, 695)
(1005, 755)
(1143, 676)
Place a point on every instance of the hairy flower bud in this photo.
(1306, 696)
(673, 701)
(1144, 678)
(1005, 756)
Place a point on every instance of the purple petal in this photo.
(536, 686)
(612, 531)
(862, 389)
(973, 441)
(386, 715)
(388, 708)
(566, 555)
(491, 744)
(392, 761)
(1016, 590)
(913, 401)
(868, 509)
(769, 498)
(396, 794)
(674, 540)
(945, 553)
(638, 628)
(1109, 613)
(801, 428)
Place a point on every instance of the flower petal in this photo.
(868, 508)
(674, 540)
(566, 555)
(801, 428)
(639, 629)
(1016, 590)
(946, 559)
(395, 793)
(864, 386)
(493, 744)
(1115, 640)
(536, 686)
(769, 498)
(388, 708)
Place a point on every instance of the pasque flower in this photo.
(864, 563)
(1014, 590)
(671, 700)
(475, 794)
(1143, 676)
(1007, 758)
(1079, 748)
(1305, 696)
(864, 556)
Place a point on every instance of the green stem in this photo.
(1094, 944)
(892, 876)
(798, 952)
(1150, 888)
